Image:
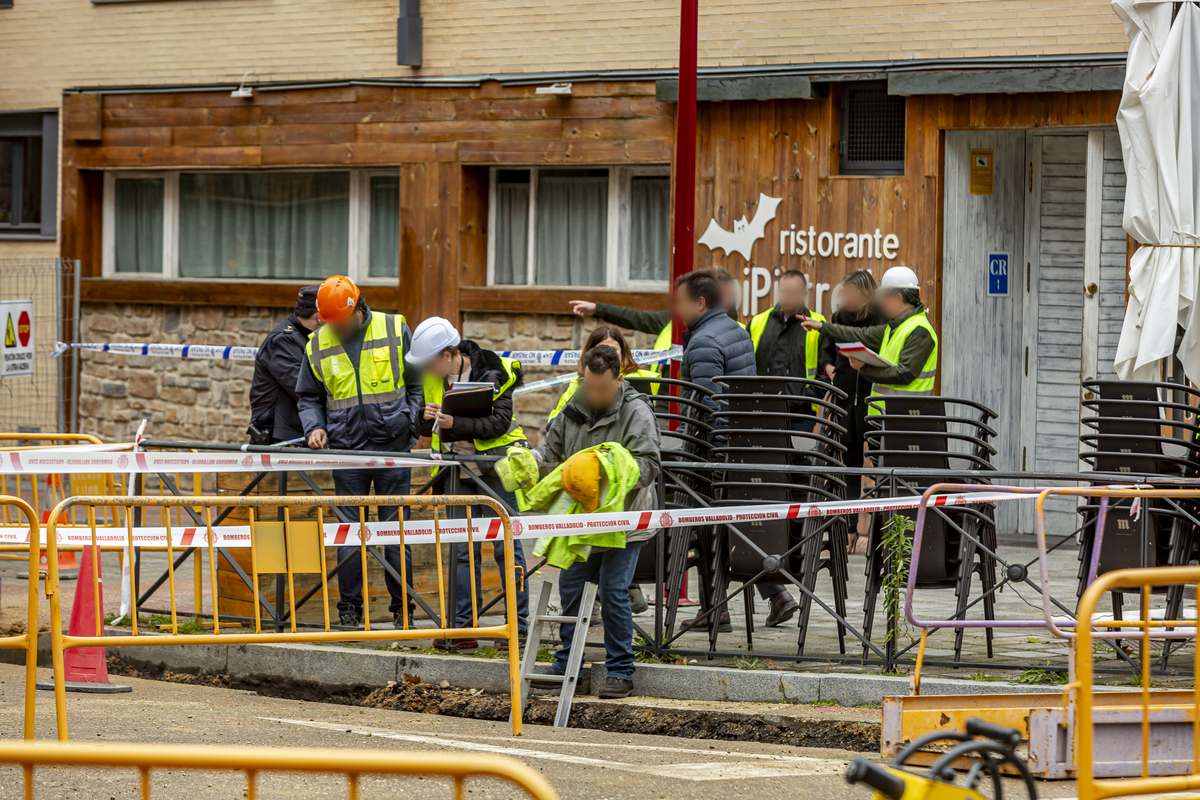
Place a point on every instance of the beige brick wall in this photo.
(51, 44)
(209, 401)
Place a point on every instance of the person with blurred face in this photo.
(445, 358)
(656, 322)
(906, 339)
(714, 344)
(783, 347)
(856, 309)
(605, 410)
(355, 394)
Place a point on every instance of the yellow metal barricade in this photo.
(255, 760)
(291, 548)
(28, 640)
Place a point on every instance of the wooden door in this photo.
(982, 340)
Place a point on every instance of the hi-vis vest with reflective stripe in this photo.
(893, 346)
(663, 342)
(435, 389)
(758, 324)
(573, 387)
(380, 371)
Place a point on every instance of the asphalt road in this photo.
(590, 765)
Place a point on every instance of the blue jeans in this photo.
(350, 579)
(462, 603)
(613, 571)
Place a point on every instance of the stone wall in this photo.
(200, 400)
(208, 401)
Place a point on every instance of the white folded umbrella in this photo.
(1159, 121)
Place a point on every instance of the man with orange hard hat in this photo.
(356, 395)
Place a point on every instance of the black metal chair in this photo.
(1140, 435)
(764, 422)
(949, 438)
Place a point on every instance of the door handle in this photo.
(1091, 289)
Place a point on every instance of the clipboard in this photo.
(860, 352)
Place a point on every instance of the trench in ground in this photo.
(797, 731)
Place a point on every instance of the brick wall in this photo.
(192, 41)
(208, 401)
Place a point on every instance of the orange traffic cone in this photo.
(87, 667)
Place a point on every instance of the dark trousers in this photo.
(612, 570)
(462, 603)
(350, 579)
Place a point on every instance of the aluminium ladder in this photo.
(533, 637)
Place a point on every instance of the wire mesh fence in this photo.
(40, 399)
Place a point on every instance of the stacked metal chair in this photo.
(1139, 436)
(757, 424)
(685, 429)
(935, 440)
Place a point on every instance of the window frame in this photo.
(44, 125)
(358, 224)
(619, 242)
(868, 169)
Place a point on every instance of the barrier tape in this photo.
(66, 460)
(532, 358)
(490, 528)
(648, 357)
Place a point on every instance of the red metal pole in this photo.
(684, 235)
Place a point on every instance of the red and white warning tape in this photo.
(70, 459)
(488, 529)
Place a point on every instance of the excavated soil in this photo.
(446, 700)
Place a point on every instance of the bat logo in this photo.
(745, 233)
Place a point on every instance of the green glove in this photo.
(518, 470)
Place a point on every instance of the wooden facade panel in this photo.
(459, 130)
(443, 139)
(522, 300)
(82, 116)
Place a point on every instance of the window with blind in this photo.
(597, 226)
(272, 225)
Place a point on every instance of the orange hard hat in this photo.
(336, 299)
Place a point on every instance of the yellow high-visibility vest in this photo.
(758, 324)
(380, 371)
(435, 389)
(893, 346)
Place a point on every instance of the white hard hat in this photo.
(431, 337)
(899, 277)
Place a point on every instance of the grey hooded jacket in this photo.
(629, 422)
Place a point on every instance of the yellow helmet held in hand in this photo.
(581, 477)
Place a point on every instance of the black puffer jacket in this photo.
(716, 345)
(845, 377)
(486, 367)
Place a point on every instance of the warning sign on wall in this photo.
(981, 171)
(16, 348)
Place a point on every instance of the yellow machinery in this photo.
(984, 751)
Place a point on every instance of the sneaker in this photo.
(349, 620)
(616, 688)
(783, 608)
(637, 601)
(454, 645)
(398, 621)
